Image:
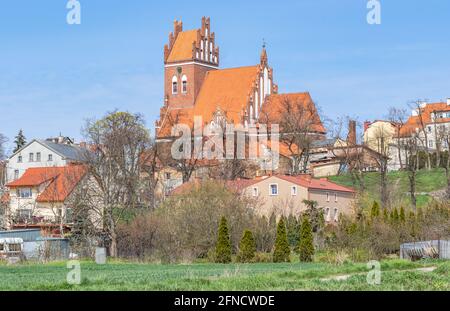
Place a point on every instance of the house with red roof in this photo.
(40, 198)
(283, 195)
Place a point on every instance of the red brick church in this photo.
(195, 86)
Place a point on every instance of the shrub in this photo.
(402, 215)
(247, 247)
(306, 244)
(223, 246)
(375, 211)
(282, 250)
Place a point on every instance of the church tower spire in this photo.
(264, 59)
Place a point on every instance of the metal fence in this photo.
(425, 249)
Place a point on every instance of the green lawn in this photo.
(427, 181)
(396, 275)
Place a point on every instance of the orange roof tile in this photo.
(414, 122)
(275, 107)
(228, 90)
(61, 181)
(312, 183)
(183, 47)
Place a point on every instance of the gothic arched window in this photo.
(174, 85)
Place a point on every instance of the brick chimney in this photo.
(351, 138)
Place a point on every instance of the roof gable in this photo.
(277, 105)
(61, 181)
(183, 47)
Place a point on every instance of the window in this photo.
(255, 191)
(38, 157)
(168, 176)
(430, 143)
(50, 157)
(2, 247)
(24, 214)
(336, 214)
(335, 197)
(31, 157)
(429, 129)
(294, 190)
(174, 85)
(327, 214)
(24, 193)
(19, 159)
(184, 84)
(16, 174)
(69, 216)
(328, 197)
(14, 247)
(273, 189)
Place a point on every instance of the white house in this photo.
(43, 153)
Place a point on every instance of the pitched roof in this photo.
(183, 47)
(225, 89)
(228, 90)
(414, 122)
(312, 183)
(70, 152)
(277, 105)
(61, 181)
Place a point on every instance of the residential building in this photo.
(55, 152)
(284, 195)
(40, 197)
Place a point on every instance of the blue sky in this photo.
(53, 75)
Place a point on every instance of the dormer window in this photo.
(184, 84)
(174, 85)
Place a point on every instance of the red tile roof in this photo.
(183, 47)
(312, 183)
(61, 181)
(414, 122)
(276, 106)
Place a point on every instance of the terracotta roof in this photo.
(61, 181)
(414, 122)
(275, 108)
(183, 47)
(228, 90)
(312, 183)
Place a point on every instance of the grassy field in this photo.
(396, 275)
(427, 181)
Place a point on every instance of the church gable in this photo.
(192, 45)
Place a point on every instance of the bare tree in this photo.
(418, 106)
(412, 165)
(118, 142)
(398, 117)
(444, 137)
(298, 122)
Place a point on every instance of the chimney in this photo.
(351, 138)
(367, 125)
(448, 101)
